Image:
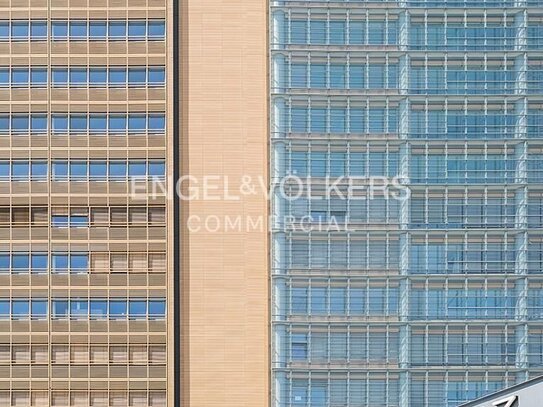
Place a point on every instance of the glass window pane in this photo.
(98, 170)
(136, 29)
(157, 122)
(59, 262)
(97, 30)
(20, 123)
(137, 76)
(78, 29)
(157, 76)
(117, 76)
(157, 308)
(19, 30)
(117, 29)
(98, 123)
(60, 76)
(117, 123)
(60, 123)
(157, 29)
(59, 29)
(137, 122)
(38, 76)
(38, 30)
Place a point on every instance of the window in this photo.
(156, 30)
(59, 30)
(157, 309)
(157, 123)
(117, 309)
(60, 308)
(136, 30)
(97, 30)
(78, 30)
(117, 30)
(19, 30)
(98, 308)
(157, 76)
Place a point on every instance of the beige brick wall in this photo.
(225, 274)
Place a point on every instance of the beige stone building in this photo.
(106, 298)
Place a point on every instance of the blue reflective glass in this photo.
(4, 309)
(59, 221)
(60, 308)
(5, 169)
(157, 169)
(98, 170)
(79, 308)
(98, 76)
(157, 76)
(78, 123)
(137, 308)
(19, 30)
(78, 76)
(117, 76)
(136, 29)
(39, 308)
(38, 76)
(60, 123)
(20, 308)
(79, 262)
(98, 123)
(38, 29)
(20, 76)
(137, 169)
(4, 262)
(60, 76)
(117, 123)
(78, 169)
(59, 262)
(4, 123)
(157, 122)
(4, 31)
(156, 29)
(117, 29)
(20, 261)
(59, 29)
(157, 308)
(38, 123)
(117, 308)
(79, 221)
(38, 170)
(4, 77)
(98, 308)
(117, 169)
(20, 169)
(20, 123)
(137, 122)
(137, 76)
(78, 29)
(60, 170)
(39, 262)
(97, 30)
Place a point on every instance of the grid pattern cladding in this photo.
(83, 262)
(432, 300)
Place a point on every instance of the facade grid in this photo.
(428, 301)
(85, 288)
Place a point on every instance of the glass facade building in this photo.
(431, 300)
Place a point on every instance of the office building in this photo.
(85, 297)
(428, 301)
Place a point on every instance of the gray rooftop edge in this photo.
(503, 392)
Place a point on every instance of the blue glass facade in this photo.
(427, 301)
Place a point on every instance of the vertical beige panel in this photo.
(224, 274)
